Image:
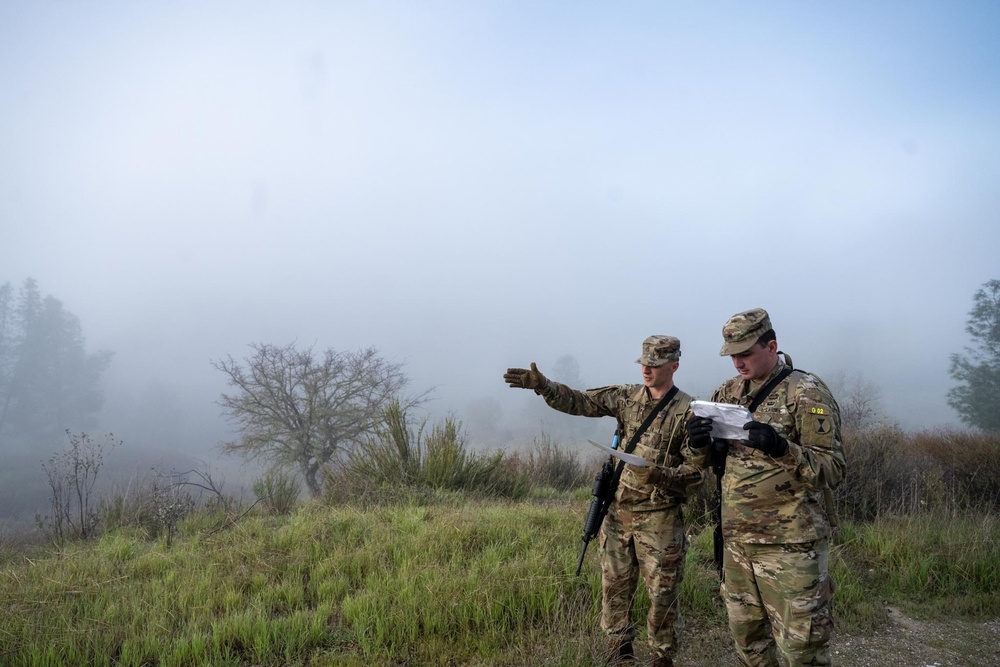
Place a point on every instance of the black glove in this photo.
(766, 439)
(525, 378)
(700, 432)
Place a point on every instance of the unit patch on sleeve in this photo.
(817, 423)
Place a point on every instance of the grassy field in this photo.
(444, 581)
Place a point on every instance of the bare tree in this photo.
(297, 409)
(860, 402)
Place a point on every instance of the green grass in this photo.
(933, 566)
(323, 586)
(442, 583)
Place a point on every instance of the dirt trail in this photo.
(906, 642)
(909, 642)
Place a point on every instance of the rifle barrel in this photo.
(583, 552)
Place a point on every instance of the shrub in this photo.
(156, 505)
(967, 467)
(890, 472)
(278, 490)
(71, 475)
(399, 457)
(551, 465)
(879, 474)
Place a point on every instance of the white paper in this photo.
(634, 459)
(727, 419)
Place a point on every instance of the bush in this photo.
(879, 472)
(72, 474)
(278, 490)
(890, 472)
(399, 457)
(154, 507)
(551, 465)
(968, 467)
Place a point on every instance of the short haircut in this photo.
(766, 338)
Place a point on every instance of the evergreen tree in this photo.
(977, 397)
(48, 382)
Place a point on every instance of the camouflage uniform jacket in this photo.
(664, 444)
(773, 501)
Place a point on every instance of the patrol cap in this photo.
(658, 350)
(743, 329)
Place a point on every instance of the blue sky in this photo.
(470, 186)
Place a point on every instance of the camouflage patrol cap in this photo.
(658, 350)
(743, 329)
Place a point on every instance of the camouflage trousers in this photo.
(778, 597)
(651, 544)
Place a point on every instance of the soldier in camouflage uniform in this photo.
(643, 533)
(776, 501)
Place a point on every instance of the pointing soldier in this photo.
(643, 533)
(777, 513)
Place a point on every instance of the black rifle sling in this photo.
(766, 390)
(634, 440)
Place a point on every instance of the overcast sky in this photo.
(469, 186)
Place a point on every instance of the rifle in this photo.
(603, 491)
(719, 451)
(606, 481)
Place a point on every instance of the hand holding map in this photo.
(727, 419)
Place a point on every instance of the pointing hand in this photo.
(525, 378)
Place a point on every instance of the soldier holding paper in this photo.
(777, 513)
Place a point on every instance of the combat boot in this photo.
(622, 653)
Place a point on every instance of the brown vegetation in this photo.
(891, 472)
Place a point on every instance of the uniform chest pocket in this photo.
(655, 443)
(630, 412)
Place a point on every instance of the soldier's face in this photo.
(656, 377)
(757, 362)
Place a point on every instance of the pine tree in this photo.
(977, 397)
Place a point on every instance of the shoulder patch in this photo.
(817, 423)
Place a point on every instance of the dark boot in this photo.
(621, 652)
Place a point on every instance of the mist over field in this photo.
(472, 186)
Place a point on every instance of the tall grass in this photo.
(453, 581)
(397, 455)
(933, 565)
(550, 466)
(424, 552)
(326, 584)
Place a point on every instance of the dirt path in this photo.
(912, 643)
(907, 642)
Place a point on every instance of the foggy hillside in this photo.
(468, 187)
